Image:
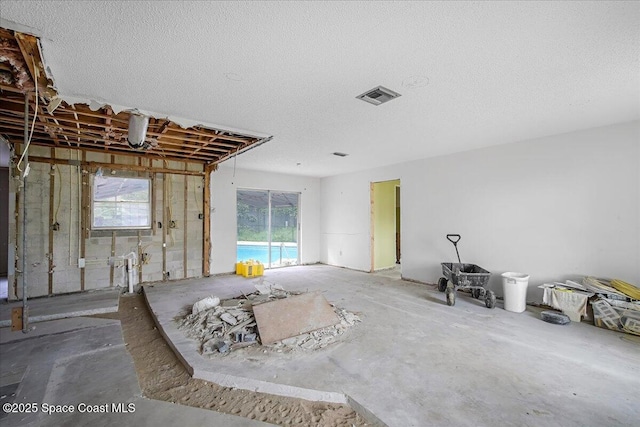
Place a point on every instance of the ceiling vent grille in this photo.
(378, 95)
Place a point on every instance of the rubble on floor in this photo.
(290, 317)
(221, 326)
(614, 303)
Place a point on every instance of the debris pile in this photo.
(322, 337)
(227, 325)
(615, 304)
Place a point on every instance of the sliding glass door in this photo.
(268, 227)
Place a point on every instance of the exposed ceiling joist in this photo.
(62, 125)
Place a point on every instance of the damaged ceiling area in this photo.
(55, 123)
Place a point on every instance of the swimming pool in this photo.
(260, 252)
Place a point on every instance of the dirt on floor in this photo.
(163, 377)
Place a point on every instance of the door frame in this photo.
(269, 225)
(372, 229)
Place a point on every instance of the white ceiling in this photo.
(470, 74)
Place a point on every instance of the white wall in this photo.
(556, 207)
(223, 212)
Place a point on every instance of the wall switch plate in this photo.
(81, 263)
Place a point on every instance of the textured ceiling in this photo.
(470, 74)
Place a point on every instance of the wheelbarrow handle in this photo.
(453, 238)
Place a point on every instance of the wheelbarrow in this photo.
(465, 277)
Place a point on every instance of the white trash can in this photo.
(514, 288)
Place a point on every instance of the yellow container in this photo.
(249, 268)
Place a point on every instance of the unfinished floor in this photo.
(461, 365)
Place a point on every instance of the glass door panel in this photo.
(268, 227)
(253, 226)
(284, 229)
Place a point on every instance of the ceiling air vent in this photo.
(378, 95)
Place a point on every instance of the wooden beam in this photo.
(107, 122)
(165, 226)
(162, 136)
(116, 166)
(121, 151)
(83, 219)
(44, 119)
(185, 221)
(206, 241)
(154, 224)
(31, 52)
(372, 226)
(52, 186)
(91, 142)
(113, 253)
(140, 255)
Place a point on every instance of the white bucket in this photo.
(514, 288)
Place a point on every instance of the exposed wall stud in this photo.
(206, 241)
(139, 257)
(84, 225)
(113, 253)
(165, 273)
(52, 185)
(185, 226)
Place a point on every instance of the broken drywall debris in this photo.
(214, 329)
(229, 318)
(205, 304)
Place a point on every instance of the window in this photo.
(121, 203)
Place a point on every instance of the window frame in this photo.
(149, 202)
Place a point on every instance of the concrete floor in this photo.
(43, 309)
(415, 361)
(75, 361)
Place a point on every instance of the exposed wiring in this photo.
(35, 116)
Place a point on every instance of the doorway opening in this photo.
(268, 227)
(385, 225)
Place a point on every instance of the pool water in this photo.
(261, 253)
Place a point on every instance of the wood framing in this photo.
(206, 241)
(103, 131)
(165, 227)
(52, 189)
(185, 227)
(113, 253)
(84, 224)
(372, 228)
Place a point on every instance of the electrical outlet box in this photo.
(81, 263)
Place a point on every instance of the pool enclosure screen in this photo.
(268, 227)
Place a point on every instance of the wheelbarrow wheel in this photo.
(475, 293)
(451, 296)
(442, 284)
(490, 299)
